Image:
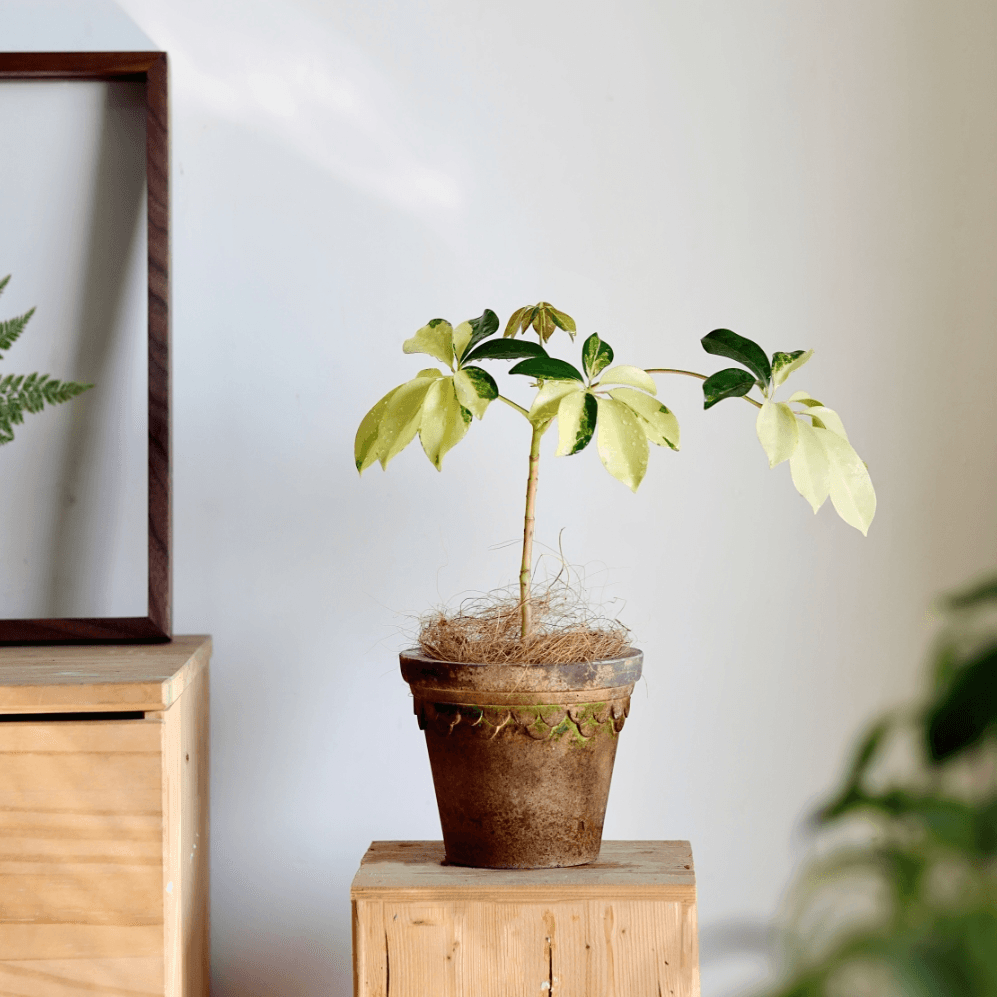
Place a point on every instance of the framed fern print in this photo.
(85, 450)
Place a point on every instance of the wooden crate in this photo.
(104, 820)
(624, 926)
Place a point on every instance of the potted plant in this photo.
(521, 740)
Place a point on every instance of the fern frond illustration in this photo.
(21, 393)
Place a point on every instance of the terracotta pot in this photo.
(522, 755)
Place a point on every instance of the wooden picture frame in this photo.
(149, 68)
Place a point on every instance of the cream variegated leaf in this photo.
(576, 420)
(401, 418)
(475, 389)
(659, 424)
(365, 449)
(548, 399)
(634, 377)
(461, 337)
(810, 466)
(435, 339)
(825, 418)
(851, 489)
(444, 420)
(778, 431)
(622, 442)
(783, 364)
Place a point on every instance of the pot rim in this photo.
(423, 672)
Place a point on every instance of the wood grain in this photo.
(95, 679)
(185, 843)
(599, 931)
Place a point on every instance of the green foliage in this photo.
(20, 394)
(724, 343)
(731, 382)
(931, 841)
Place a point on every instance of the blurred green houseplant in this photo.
(910, 908)
(615, 404)
(19, 393)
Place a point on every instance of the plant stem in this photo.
(526, 569)
(692, 373)
(512, 404)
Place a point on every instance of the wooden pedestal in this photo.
(104, 820)
(624, 926)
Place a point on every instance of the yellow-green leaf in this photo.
(548, 399)
(365, 450)
(810, 466)
(632, 376)
(783, 364)
(518, 321)
(852, 493)
(435, 339)
(659, 424)
(475, 389)
(461, 337)
(576, 419)
(622, 443)
(778, 431)
(401, 419)
(444, 420)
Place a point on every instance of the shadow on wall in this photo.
(119, 199)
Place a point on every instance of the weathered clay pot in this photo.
(522, 755)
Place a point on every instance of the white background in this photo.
(809, 174)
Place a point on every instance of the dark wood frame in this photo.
(149, 68)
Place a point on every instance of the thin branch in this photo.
(692, 373)
(518, 408)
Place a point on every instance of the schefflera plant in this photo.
(614, 403)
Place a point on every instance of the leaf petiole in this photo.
(519, 408)
(692, 373)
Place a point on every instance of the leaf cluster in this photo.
(20, 394)
(935, 849)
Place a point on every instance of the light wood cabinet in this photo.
(104, 820)
(624, 926)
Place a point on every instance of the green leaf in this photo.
(724, 343)
(4, 283)
(968, 710)
(506, 349)
(852, 493)
(12, 328)
(444, 421)
(475, 389)
(544, 367)
(548, 399)
(576, 419)
(563, 320)
(810, 466)
(365, 450)
(435, 339)
(660, 426)
(732, 382)
(622, 443)
(596, 355)
(783, 364)
(519, 321)
(485, 325)
(983, 592)
(632, 376)
(400, 422)
(778, 431)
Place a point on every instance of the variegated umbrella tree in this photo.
(615, 403)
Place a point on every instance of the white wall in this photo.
(809, 174)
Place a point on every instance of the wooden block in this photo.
(104, 822)
(624, 926)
